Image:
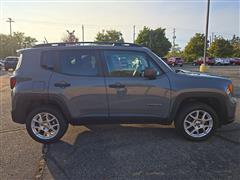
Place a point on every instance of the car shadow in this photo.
(141, 152)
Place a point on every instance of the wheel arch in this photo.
(27, 103)
(214, 100)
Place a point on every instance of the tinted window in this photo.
(19, 61)
(78, 62)
(128, 63)
(72, 62)
(48, 58)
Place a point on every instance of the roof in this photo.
(86, 45)
(71, 44)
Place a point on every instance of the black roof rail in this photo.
(59, 44)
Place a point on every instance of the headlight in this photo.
(229, 89)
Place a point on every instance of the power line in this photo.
(10, 21)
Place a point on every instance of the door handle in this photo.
(117, 85)
(62, 84)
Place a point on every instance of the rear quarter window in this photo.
(19, 61)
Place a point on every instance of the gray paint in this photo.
(92, 96)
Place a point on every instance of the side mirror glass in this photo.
(150, 73)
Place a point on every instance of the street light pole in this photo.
(203, 66)
(206, 33)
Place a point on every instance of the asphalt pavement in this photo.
(138, 151)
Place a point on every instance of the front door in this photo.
(129, 93)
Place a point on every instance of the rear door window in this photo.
(79, 63)
(72, 62)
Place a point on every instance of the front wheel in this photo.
(196, 121)
(46, 124)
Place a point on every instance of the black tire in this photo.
(63, 124)
(179, 122)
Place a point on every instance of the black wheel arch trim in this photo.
(209, 98)
(26, 102)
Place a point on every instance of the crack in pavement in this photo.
(41, 163)
(12, 130)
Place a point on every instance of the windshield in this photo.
(163, 62)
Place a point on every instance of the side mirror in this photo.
(150, 73)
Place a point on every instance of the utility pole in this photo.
(134, 28)
(174, 38)
(82, 33)
(212, 37)
(45, 40)
(10, 21)
(206, 34)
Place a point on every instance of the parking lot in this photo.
(120, 151)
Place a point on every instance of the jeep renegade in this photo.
(83, 83)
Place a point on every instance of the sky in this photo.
(51, 18)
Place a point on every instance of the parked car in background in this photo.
(1, 62)
(10, 62)
(199, 61)
(175, 61)
(222, 61)
(235, 61)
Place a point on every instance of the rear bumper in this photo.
(18, 116)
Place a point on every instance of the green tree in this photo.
(109, 36)
(9, 44)
(235, 42)
(194, 48)
(155, 40)
(221, 48)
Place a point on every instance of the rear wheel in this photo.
(46, 124)
(196, 121)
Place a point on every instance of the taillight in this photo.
(13, 82)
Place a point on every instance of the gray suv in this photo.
(94, 83)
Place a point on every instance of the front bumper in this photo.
(231, 105)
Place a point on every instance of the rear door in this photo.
(79, 83)
(129, 93)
